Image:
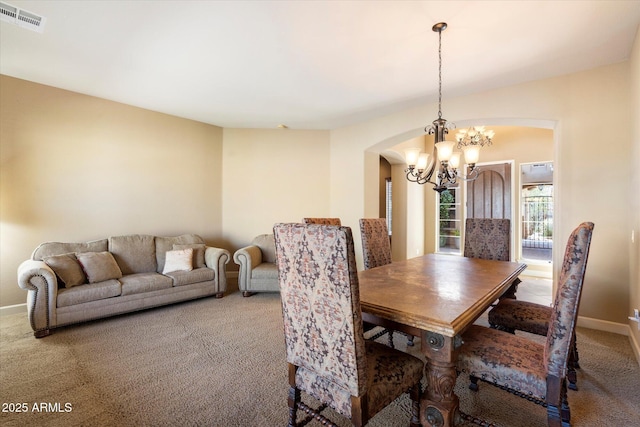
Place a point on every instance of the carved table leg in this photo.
(439, 406)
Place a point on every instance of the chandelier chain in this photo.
(440, 73)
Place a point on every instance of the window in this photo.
(537, 222)
(449, 221)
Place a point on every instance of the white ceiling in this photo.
(307, 64)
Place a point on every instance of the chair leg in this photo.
(474, 383)
(294, 399)
(414, 393)
(574, 350)
(565, 413)
(559, 416)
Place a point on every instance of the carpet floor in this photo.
(221, 362)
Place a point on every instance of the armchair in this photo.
(257, 261)
(526, 368)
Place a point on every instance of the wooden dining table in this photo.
(435, 297)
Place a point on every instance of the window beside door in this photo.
(449, 220)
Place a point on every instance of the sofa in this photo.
(258, 271)
(68, 283)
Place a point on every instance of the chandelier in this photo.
(443, 165)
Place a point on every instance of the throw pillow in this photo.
(99, 266)
(178, 260)
(67, 268)
(198, 253)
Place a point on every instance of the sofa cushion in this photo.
(198, 253)
(178, 260)
(99, 266)
(164, 244)
(144, 282)
(265, 271)
(57, 248)
(181, 278)
(67, 268)
(134, 253)
(87, 293)
(267, 246)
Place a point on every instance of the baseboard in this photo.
(635, 345)
(13, 309)
(603, 325)
(232, 274)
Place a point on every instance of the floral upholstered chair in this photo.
(526, 368)
(376, 251)
(324, 221)
(490, 238)
(513, 315)
(487, 238)
(376, 247)
(327, 354)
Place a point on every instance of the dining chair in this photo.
(324, 221)
(376, 251)
(522, 366)
(515, 315)
(490, 238)
(327, 355)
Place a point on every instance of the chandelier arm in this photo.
(428, 173)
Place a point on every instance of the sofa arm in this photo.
(217, 259)
(42, 286)
(247, 258)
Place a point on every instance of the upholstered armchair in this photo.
(258, 272)
(327, 355)
(490, 238)
(526, 368)
(514, 315)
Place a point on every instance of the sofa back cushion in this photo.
(134, 253)
(56, 248)
(164, 244)
(267, 246)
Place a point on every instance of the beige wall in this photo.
(77, 168)
(270, 176)
(634, 193)
(575, 106)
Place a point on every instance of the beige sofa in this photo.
(74, 282)
(258, 271)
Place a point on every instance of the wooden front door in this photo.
(489, 196)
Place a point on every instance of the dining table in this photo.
(435, 297)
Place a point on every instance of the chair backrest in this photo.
(376, 247)
(267, 246)
(567, 301)
(324, 221)
(321, 302)
(487, 238)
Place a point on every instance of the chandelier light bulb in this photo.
(411, 155)
(445, 150)
(471, 154)
(423, 161)
(454, 161)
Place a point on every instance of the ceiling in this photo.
(307, 64)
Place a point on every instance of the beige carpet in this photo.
(220, 362)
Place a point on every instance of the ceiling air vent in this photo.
(21, 17)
